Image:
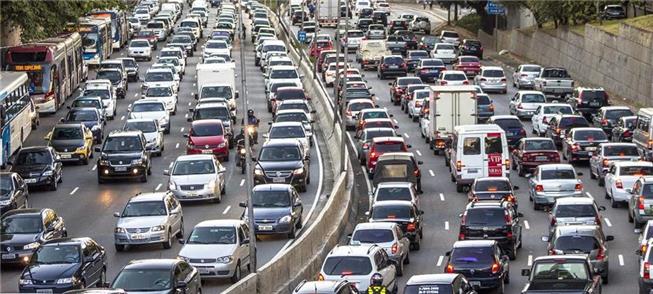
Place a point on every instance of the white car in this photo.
(452, 78)
(296, 115)
(492, 79)
(353, 39)
(151, 108)
(268, 46)
(544, 113)
(383, 6)
(387, 235)
(99, 88)
(160, 77)
(216, 47)
(218, 248)
(283, 73)
(330, 72)
(179, 67)
(525, 75)
(151, 130)
(354, 106)
(621, 177)
(415, 105)
(445, 52)
(359, 263)
(450, 37)
(140, 49)
(197, 177)
(264, 61)
(166, 94)
(524, 103)
(289, 130)
(176, 52)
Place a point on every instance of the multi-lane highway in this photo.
(88, 207)
(442, 204)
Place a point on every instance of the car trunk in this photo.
(557, 185)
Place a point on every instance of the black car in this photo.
(183, 42)
(345, 11)
(512, 126)
(380, 17)
(277, 210)
(615, 11)
(88, 101)
(13, 192)
(363, 24)
(357, 93)
(623, 130)
(159, 276)
(90, 117)
(427, 43)
(365, 13)
(582, 143)
(283, 161)
(607, 117)
(64, 264)
(588, 101)
(404, 213)
(494, 220)
(392, 65)
(131, 66)
(24, 230)
(299, 16)
(409, 38)
(560, 124)
(123, 155)
(481, 262)
(414, 56)
(471, 47)
(117, 79)
(493, 189)
(38, 166)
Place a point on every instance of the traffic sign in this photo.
(301, 36)
(493, 8)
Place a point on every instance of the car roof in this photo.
(153, 263)
(395, 156)
(632, 163)
(203, 122)
(523, 92)
(353, 250)
(491, 68)
(377, 225)
(272, 187)
(282, 111)
(586, 129)
(97, 85)
(141, 120)
(577, 230)
(24, 211)
(559, 257)
(574, 201)
(282, 142)
(492, 179)
(125, 133)
(615, 108)
(195, 157)
(283, 67)
(220, 223)
(388, 139)
(494, 117)
(432, 279)
(393, 203)
(66, 241)
(394, 184)
(552, 166)
(159, 69)
(149, 196)
(319, 286)
(473, 243)
(287, 124)
(211, 105)
(68, 125)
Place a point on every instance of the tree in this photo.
(35, 20)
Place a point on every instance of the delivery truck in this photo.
(449, 106)
(327, 13)
(217, 80)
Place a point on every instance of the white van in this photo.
(478, 151)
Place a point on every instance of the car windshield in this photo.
(274, 87)
(279, 153)
(56, 254)
(158, 77)
(533, 98)
(170, 53)
(494, 217)
(206, 130)
(617, 113)
(537, 145)
(573, 243)
(450, 34)
(564, 109)
(554, 270)
(102, 93)
(508, 123)
(144, 208)
(636, 171)
(216, 91)
(278, 132)
(143, 280)
(574, 210)
(594, 135)
(531, 68)
(6, 186)
(393, 193)
(168, 60)
(212, 112)
(22, 224)
(392, 212)
(375, 114)
(373, 236)
(122, 144)
(158, 92)
(347, 265)
(558, 174)
(82, 115)
(371, 134)
(273, 48)
(428, 289)
(143, 126)
(271, 198)
(472, 256)
(189, 24)
(620, 151)
(140, 43)
(74, 133)
(193, 167)
(291, 117)
(212, 235)
(394, 60)
(455, 77)
(290, 94)
(493, 73)
(129, 63)
(355, 34)
(555, 73)
(181, 40)
(86, 103)
(492, 186)
(148, 107)
(573, 122)
(283, 74)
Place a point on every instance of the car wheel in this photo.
(236, 277)
(120, 247)
(53, 186)
(103, 278)
(400, 269)
(180, 234)
(407, 259)
(223, 190)
(501, 288)
(167, 244)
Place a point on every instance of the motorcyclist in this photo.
(252, 120)
(376, 285)
(240, 136)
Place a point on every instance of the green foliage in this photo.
(470, 22)
(40, 19)
(564, 12)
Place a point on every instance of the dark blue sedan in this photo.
(90, 117)
(429, 69)
(512, 126)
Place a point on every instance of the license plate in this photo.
(43, 290)
(65, 156)
(541, 158)
(8, 256)
(30, 181)
(265, 228)
(475, 283)
(121, 168)
(278, 180)
(394, 66)
(137, 236)
(204, 270)
(191, 194)
(207, 151)
(470, 72)
(590, 148)
(595, 104)
(472, 171)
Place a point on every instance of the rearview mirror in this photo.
(601, 208)
(579, 174)
(515, 187)
(116, 214)
(242, 204)
(545, 239)
(609, 238)
(420, 162)
(166, 172)
(526, 272)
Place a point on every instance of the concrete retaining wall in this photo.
(622, 64)
(247, 285)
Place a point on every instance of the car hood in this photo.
(63, 143)
(141, 221)
(151, 137)
(50, 271)
(18, 239)
(207, 140)
(126, 156)
(200, 179)
(148, 115)
(207, 250)
(24, 170)
(271, 213)
(279, 165)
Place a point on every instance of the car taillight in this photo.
(465, 82)
(605, 162)
(509, 234)
(449, 268)
(552, 252)
(511, 198)
(604, 122)
(403, 65)
(491, 107)
(601, 254)
(442, 83)
(650, 144)
(640, 202)
(423, 70)
(459, 165)
(539, 188)
(320, 277)
(646, 275)
(575, 147)
(578, 187)
(553, 221)
(48, 96)
(507, 217)
(619, 184)
(394, 248)
(416, 173)
(626, 133)
(461, 236)
(495, 268)
(642, 249)
(366, 145)
(522, 132)
(519, 106)
(410, 227)
(506, 163)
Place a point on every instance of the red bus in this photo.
(54, 66)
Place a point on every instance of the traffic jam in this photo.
(527, 169)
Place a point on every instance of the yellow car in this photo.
(72, 142)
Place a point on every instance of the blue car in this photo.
(485, 107)
(429, 69)
(512, 126)
(414, 56)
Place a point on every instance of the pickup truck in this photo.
(554, 81)
(568, 274)
(370, 52)
(396, 44)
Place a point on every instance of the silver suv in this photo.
(387, 235)
(149, 218)
(359, 263)
(197, 178)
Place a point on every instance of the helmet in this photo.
(376, 280)
(250, 112)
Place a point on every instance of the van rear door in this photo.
(472, 156)
(494, 155)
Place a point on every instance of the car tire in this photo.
(168, 243)
(103, 278)
(303, 188)
(180, 234)
(54, 186)
(460, 188)
(501, 288)
(236, 277)
(120, 247)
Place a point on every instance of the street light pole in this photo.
(343, 130)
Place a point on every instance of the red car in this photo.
(287, 93)
(148, 35)
(321, 57)
(382, 145)
(398, 87)
(207, 136)
(471, 65)
(533, 151)
(319, 46)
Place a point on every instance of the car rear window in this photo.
(617, 113)
(508, 123)
(391, 212)
(432, 62)
(469, 59)
(389, 147)
(485, 217)
(394, 60)
(373, 236)
(418, 54)
(379, 133)
(571, 244)
(493, 73)
(533, 98)
(491, 186)
(360, 106)
(347, 265)
(588, 135)
(558, 174)
(636, 171)
(428, 289)
(445, 47)
(531, 68)
(450, 34)
(375, 114)
(483, 100)
(290, 94)
(410, 81)
(575, 210)
(564, 109)
(647, 191)
(590, 95)
(533, 145)
(455, 77)
(465, 256)
(573, 122)
(620, 151)
(394, 193)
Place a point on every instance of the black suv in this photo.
(404, 213)
(278, 209)
(14, 193)
(481, 262)
(282, 161)
(38, 166)
(24, 230)
(492, 220)
(392, 65)
(493, 188)
(123, 155)
(587, 101)
(471, 47)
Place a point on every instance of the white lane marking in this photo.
(122, 117)
(189, 103)
(418, 153)
(135, 95)
(186, 115)
(446, 225)
(528, 227)
(226, 209)
(395, 121)
(177, 146)
(352, 143)
(193, 84)
(441, 197)
(530, 260)
(158, 187)
(589, 195)
(406, 135)
(440, 260)
(242, 182)
(74, 190)
(432, 173)
(182, 130)
(94, 167)
(171, 163)
(621, 260)
(607, 221)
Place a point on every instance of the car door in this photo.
(92, 263)
(513, 102)
(174, 213)
(243, 245)
(20, 191)
(472, 157)
(387, 269)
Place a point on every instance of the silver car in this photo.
(551, 181)
(575, 211)
(524, 76)
(151, 130)
(365, 140)
(640, 204)
(395, 191)
(149, 218)
(197, 178)
(218, 248)
(608, 153)
(524, 103)
(491, 78)
(388, 236)
(621, 177)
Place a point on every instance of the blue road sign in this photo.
(301, 36)
(493, 8)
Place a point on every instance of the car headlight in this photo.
(103, 162)
(95, 128)
(80, 149)
(137, 161)
(158, 228)
(172, 185)
(184, 258)
(285, 219)
(119, 230)
(298, 171)
(224, 259)
(243, 151)
(5, 202)
(25, 281)
(258, 171)
(70, 280)
(222, 145)
(47, 173)
(32, 245)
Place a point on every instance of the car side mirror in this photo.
(97, 149)
(579, 173)
(609, 238)
(190, 119)
(390, 84)
(526, 272)
(62, 120)
(601, 208)
(242, 204)
(448, 253)
(421, 212)
(166, 172)
(545, 239)
(397, 127)
(244, 241)
(181, 241)
(116, 214)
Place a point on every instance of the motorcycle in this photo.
(253, 135)
(241, 155)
